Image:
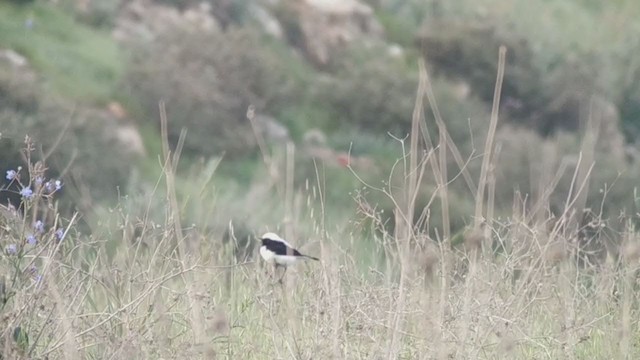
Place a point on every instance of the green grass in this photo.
(74, 60)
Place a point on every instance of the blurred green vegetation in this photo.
(77, 62)
(560, 53)
(208, 89)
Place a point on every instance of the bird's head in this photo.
(270, 236)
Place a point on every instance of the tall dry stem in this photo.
(489, 144)
(469, 283)
(404, 222)
(169, 167)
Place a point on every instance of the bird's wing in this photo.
(280, 247)
(286, 243)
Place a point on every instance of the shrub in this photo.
(31, 233)
(398, 29)
(100, 13)
(74, 146)
(370, 91)
(18, 90)
(526, 159)
(207, 82)
(73, 141)
(22, 2)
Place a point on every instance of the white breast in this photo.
(266, 254)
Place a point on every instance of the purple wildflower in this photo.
(11, 249)
(31, 240)
(60, 234)
(39, 180)
(39, 226)
(11, 174)
(53, 186)
(26, 192)
(33, 270)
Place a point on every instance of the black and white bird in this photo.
(279, 252)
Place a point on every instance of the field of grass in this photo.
(145, 284)
(170, 269)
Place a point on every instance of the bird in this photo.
(278, 251)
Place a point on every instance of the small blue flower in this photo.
(11, 174)
(33, 270)
(11, 249)
(39, 180)
(26, 192)
(60, 234)
(53, 186)
(31, 240)
(39, 226)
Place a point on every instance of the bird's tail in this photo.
(311, 257)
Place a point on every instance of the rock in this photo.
(200, 18)
(395, 51)
(130, 138)
(271, 129)
(329, 25)
(118, 129)
(19, 82)
(116, 109)
(315, 146)
(323, 154)
(461, 89)
(13, 58)
(314, 137)
(144, 19)
(266, 20)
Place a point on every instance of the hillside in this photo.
(153, 141)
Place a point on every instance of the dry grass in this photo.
(138, 305)
(514, 289)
